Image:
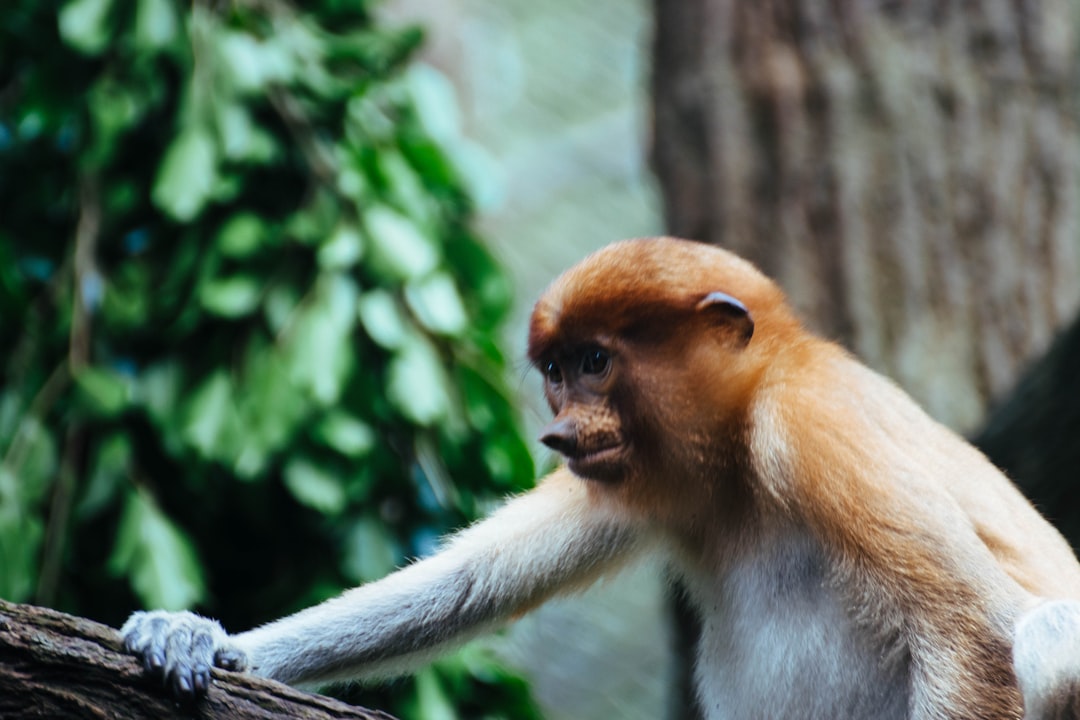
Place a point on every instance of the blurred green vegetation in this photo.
(248, 340)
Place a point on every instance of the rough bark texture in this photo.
(906, 170)
(54, 665)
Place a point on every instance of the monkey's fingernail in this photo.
(202, 680)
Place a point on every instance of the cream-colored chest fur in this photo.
(779, 642)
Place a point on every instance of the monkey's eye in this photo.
(553, 372)
(595, 361)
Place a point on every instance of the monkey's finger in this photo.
(154, 635)
(200, 679)
(189, 651)
(181, 684)
(186, 679)
(230, 658)
(136, 633)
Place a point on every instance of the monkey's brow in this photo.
(576, 348)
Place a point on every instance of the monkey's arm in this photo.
(552, 539)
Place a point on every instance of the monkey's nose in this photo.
(561, 437)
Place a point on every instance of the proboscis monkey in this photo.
(848, 556)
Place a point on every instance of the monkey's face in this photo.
(579, 384)
(643, 347)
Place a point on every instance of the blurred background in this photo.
(265, 269)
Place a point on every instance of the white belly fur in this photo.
(781, 645)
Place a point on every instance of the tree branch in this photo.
(57, 665)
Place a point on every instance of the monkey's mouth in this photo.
(603, 463)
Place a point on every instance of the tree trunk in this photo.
(54, 665)
(907, 171)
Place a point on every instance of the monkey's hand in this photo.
(179, 648)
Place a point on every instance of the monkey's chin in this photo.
(603, 465)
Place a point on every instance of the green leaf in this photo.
(38, 461)
(254, 64)
(382, 319)
(406, 186)
(272, 409)
(417, 383)
(232, 296)
(432, 699)
(437, 304)
(84, 25)
(9, 488)
(29, 463)
(280, 304)
(114, 108)
(107, 475)
(399, 249)
(435, 101)
(263, 147)
(478, 171)
(158, 558)
(155, 24)
(370, 552)
(187, 176)
(21, 532)
(315, 487)
(316, 219)
(158, 390)
(346, 434)
(211, 416)
(342, 250)
(319, 348)
(126, 306)
(498, 461)
(351, 184)
(241, 236)
(235, 129)
(368, 120)
(106, 392)
(11, 413)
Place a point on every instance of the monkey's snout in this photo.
(560, 436)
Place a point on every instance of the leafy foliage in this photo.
(248, 338)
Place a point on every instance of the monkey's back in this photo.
(1027, 547)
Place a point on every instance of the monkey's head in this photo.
(649, 350)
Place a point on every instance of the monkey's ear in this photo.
(731, 313)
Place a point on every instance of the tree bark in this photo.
(54, 665)
(907, 171)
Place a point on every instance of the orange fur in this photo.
(932, 549)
